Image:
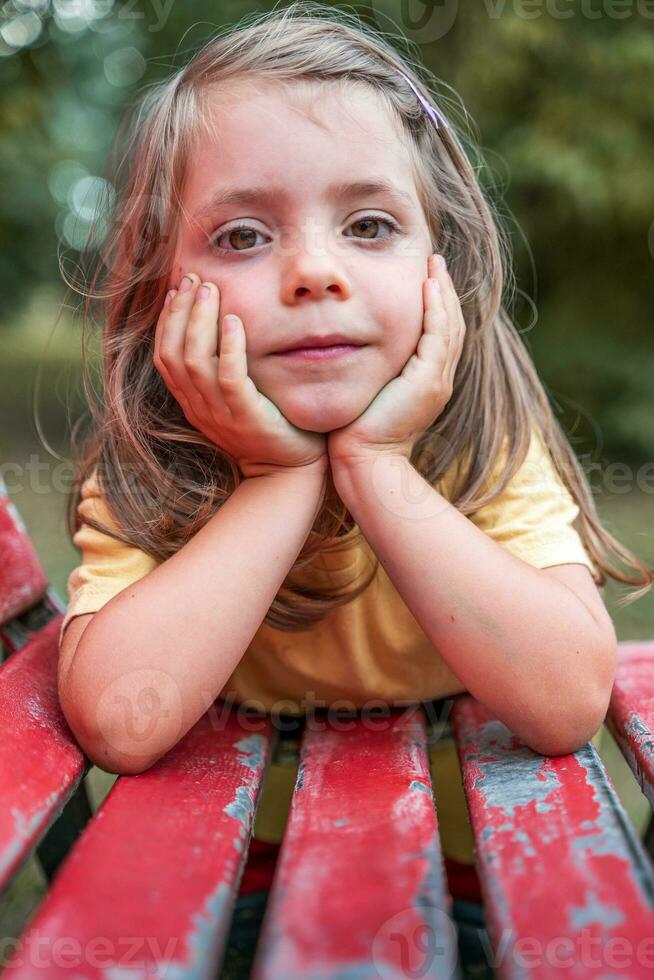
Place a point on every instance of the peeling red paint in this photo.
(565, 879)
(150, 885)
(40, 762)
(630, 717)
(22, 579)
(359, 889)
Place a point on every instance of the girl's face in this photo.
(311, 256)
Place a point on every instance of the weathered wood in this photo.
(40, 763)
(630, 717)
(568, 887)
(149, 886)
(360, 890)
(148, 889)
(22, 579)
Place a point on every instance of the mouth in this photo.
(310, 341)
(321, 353)
(320, 347)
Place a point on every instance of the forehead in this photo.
(302, 133)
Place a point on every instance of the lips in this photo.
(310, 342)
(320, 354)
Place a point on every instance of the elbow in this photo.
(120, 744)
(568, 729)
(565, 740)
(107, 753)
(111, 759)
(564, 737)
(121, 765)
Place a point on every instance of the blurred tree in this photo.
(557, 96)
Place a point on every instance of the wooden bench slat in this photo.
(360, 889)
(22, 579)
(40, 762)
(562, 870)
(160, 862)
(630, 717)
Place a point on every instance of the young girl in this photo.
(389, 512)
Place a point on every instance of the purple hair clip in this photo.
(431, 110)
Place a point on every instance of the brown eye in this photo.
(369, 227)
(241, 238)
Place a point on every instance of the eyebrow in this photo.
(342, 191)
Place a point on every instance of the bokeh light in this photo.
(124, 66)
(22, 30)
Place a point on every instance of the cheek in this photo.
(402, 322)
(244, 301)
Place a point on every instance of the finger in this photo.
(434, 307)
(158, 330)
(237, 388)
(450, 298)
(435, 344)
(201, 340)
(169, 351)
(436, 317)
(440, 345)
(457, 321)
(171, 344)
(444, 297)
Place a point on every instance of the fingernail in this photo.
(442, 262)
(203, 293)
(185, 284)
(229, 324)
(169, 296)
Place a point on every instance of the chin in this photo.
(321, 415)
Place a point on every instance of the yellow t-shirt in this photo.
(370, 649)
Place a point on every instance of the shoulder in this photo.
(533, 479)
(108, 564)
(536, 463)
(92, 502)
(532, 512)
(98, 533)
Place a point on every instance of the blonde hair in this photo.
(162, 479)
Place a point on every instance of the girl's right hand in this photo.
(216, 393)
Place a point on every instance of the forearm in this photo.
(520, 642)
(155, 657)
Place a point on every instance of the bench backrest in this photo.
(150, 883)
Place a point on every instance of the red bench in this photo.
(148, 883)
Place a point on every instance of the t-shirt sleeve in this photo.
(534, 516)
(107, 567)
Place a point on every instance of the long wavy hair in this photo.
(161, 479)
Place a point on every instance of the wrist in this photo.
(309, 481)
(349, 468)
(347, 474)
(391, 484)
(314, 470)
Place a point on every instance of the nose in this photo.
(315, 276)
(331, 288)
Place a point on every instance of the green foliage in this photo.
(556, 94)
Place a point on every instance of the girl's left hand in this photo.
(408, 404)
